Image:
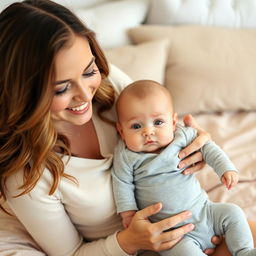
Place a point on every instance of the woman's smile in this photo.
(80, 109)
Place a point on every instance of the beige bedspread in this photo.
(235, 132)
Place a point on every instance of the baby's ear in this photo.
(175, 120)
(119, 129)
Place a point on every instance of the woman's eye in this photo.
(91, 73)
(135, 126)
(158, 122)
(63, 89)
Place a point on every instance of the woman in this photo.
(56, 101)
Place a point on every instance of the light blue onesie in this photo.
(142, 179)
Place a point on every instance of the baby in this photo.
(145, 172)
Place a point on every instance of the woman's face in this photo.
(77, 79)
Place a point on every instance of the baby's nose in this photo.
(148, 131)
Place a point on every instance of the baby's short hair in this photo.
(141, 89)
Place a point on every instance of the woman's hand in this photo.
(127, 217)
(192, 157)
(142, 234)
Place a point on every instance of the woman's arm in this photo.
(46, 220)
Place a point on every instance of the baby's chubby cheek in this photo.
(133, 145)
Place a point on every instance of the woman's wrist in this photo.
(125, 242)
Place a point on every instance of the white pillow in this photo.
(142, 61)
(80, 3)
(111, 20)
(68, 3)
(225, 13)
(5, 3)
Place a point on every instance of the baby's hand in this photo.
(229, 179)
(127, 217)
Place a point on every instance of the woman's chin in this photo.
(81, 120)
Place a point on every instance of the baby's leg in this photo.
(229, 220)
(185, 247)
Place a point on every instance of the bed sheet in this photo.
(235, 132)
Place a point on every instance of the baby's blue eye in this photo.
(136, 126)
(158, 122)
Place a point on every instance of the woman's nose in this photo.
(83, 91)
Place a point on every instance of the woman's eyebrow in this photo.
(61, 82)
(90, 63)
(67, 80)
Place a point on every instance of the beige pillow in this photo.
(143, 61)
(208, 68)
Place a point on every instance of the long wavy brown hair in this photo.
(31, 34)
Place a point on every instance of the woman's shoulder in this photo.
(118, 78)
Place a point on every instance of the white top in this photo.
(60, 223)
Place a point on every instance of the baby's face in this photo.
(147, 124)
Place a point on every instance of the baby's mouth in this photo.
(148, 142)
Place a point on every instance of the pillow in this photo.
(142, 61)
(80, 3)
(203, 12)
(208, 68)
(68, 3)
(111, 20)
(6, 3)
